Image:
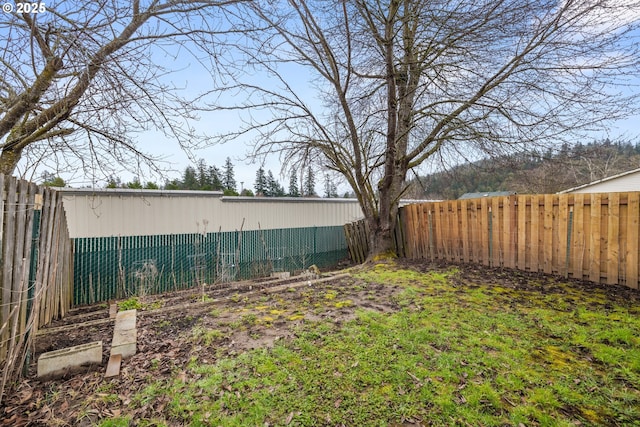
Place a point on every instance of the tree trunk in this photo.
(383, 224)
(380, 239)
(9, 158)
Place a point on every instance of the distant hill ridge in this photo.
(535, 172)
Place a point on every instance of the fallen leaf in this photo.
(289, 419)
(26, 396)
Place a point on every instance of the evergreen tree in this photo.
(190, 179)
(229, 181)
(51, 180)
(230, 192)
(114, 182)
(330, 189)
(260, 184)
(294, 190)
(203, 176)
(214, 178)
(136, 184)
(273, 186)
(310, 183)
(174, 184)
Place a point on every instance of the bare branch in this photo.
(401, 82)
(93, 63)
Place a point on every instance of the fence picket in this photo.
(535, 234)
(509, 235)
(497, 232)
(464, 229)
(564, 239)
(409, 234)
(580, 239)
(595, 236)
(548, 235)
(633, 237)
(9, 287)
(455, 230)
(613, 239)
(523, 227)
(31, 295)
(483, 223)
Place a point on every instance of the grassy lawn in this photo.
(453, 352)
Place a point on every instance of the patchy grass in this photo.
(134, 303)
(454, 352)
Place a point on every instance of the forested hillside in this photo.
(536, 172)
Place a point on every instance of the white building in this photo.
(622, 182)
(129, 212)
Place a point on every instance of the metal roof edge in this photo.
(138, 192)
(260, 199)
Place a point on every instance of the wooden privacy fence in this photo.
(584, 236)
(357, 236)
(37, 268)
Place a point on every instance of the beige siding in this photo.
(624, 182)
(102, 213)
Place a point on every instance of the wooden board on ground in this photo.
(113, 367)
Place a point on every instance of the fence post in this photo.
(596, 214)
(633, 232)
(33, 266)
(490, 226)
(513, 226)
(431, 239)
(315, 232)
(613, 239)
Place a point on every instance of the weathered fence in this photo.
(120, 266)
(36, 275)
(585, 236)
(357, 235)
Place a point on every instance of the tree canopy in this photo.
(382, 86)
(402, 82)
(79, 80)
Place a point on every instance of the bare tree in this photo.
(395, 83)
(582, 164)
(79, 79)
